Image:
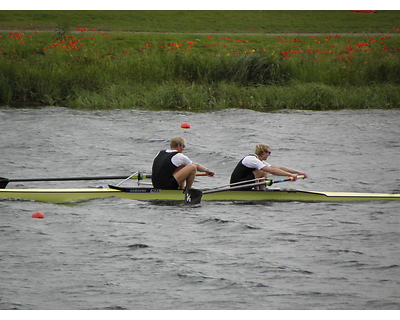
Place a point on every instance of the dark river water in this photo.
(125, 254)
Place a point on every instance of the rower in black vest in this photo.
(173, 170)
(243, 173)
(254, 166)
(163, 171)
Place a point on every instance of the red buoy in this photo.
(38, 215)
(185, 125)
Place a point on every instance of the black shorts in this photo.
(250, 176)
(171, 185)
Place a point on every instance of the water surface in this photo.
(124, 254)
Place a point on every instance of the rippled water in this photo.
(124, 254)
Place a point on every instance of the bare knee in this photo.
(186, 172)
(193, 168)
(259, 174)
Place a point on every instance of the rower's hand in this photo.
(210, 173)
(297, 176)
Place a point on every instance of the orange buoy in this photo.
(38, 215)
(185, 125)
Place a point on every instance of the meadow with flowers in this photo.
(91, 68)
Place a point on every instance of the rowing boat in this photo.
(230, 192)
(151, 194)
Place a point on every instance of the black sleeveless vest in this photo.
(162, 169)
(241, 172)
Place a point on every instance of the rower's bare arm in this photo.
(278, 171)
(294, 172)
(204, 169)
(282, 171)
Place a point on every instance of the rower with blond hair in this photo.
(254, 166)
(174, 170)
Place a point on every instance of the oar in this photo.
(193, 196)
(5, 181)
(248, 183)
(139, 177)
(237, 183)
(135, 176)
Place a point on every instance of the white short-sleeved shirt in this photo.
(251, 161)
(179, 159)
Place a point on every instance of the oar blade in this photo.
(193, 196)
(4, 182)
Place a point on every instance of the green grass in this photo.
(201, 21)
(202, 71)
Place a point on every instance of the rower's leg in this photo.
(261, 176)
(186, 176)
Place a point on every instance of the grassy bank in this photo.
(87, 68)
(203, 21)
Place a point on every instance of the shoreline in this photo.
(199, 71)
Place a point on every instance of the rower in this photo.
(174, 170)
(254, 167)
